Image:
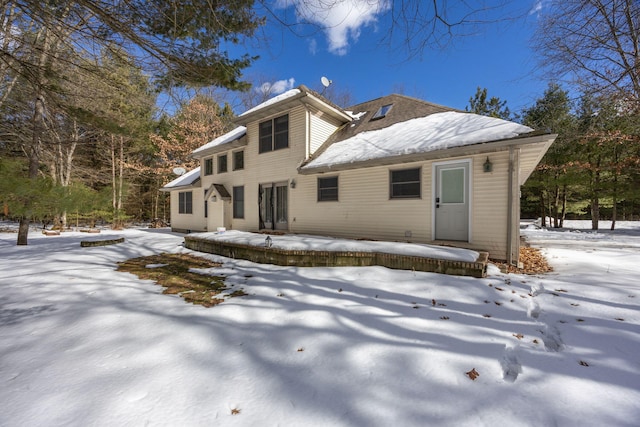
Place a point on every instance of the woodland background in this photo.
(82, 139)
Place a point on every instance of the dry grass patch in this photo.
(173, 272)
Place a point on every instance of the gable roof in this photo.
(220, 189)
(289, 99)
(189, 179)
(404, 140)
(234, 136)
(409, 130)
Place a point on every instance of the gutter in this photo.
(460, 151)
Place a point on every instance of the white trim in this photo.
(434, 172)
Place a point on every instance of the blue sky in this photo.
(346, 46)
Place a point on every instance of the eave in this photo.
(304, 97)
(195, 184)
(237, 143)
(543, 140)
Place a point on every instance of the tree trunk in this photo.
(595, 196)
(614, 210)
(556, 202)
(23, 231)
(595, 212)
(114, 188)
(121, 173)
(564, 205)
(543, 212)
(34, 165)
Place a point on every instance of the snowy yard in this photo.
(82, 344)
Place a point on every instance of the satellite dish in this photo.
(179, 171)
(325, 81)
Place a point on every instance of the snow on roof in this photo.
(433, 132)
(275, 99)
(184, 180)
(227, 137)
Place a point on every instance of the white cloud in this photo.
(537, 7)
(313, 46)
(341, 20)
(276, 87)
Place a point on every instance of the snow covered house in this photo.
(394, 168)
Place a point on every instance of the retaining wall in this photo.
(305, 258)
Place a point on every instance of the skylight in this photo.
(382, 112)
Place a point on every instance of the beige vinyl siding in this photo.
(364, 209)
(262, 168)
(490, 204)
(321, 127)
(194, 221)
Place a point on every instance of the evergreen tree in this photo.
(493, 107)
(551, 182)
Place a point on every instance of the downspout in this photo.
(308, 133)
(510, 208)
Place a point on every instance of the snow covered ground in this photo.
(82, 344)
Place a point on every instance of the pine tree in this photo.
(494, 107)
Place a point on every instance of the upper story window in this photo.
(328, 189)
(238, 160)
(208, 166)
(382, 112)
(222, 163)
(404, 184)
(274, 134)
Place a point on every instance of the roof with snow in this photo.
(289, 99)
(431, 133)
(232, 136)
(390, 129)
(187, 180)
(272, 101)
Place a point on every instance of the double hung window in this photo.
(222, 163)
(328, 189)
(274, 134)
(238, 202)
(185, 202)
(238, 160)
(404, 184)
(208, 166)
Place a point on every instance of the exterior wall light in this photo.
(487, 166)
(292, 184)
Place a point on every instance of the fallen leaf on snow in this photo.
(473, 374)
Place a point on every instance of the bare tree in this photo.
(409, 25)
(595, 42)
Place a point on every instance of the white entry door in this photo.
(451, 202)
